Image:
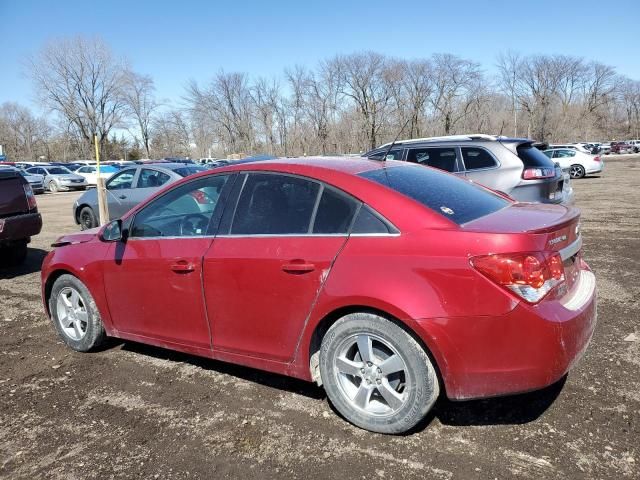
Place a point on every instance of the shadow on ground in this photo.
(511, 410)
(32, 264)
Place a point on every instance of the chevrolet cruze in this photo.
(385, 282)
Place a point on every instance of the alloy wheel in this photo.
(576, 171)
(72, 313)
(372, 376)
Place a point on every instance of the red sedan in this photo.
(385, 282)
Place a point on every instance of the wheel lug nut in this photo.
(369, 364)
(378, 381)
(362, 370)
(368, 381)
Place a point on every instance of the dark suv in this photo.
(19, 217)
(508, 165)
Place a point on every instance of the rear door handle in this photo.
(298, 267)
(122, 197)
(182, 266)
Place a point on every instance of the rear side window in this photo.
(368, 222)
(442, 158)
(152, 178)
(451, 197)
(335, 213)
(532, 157)
(275, 205)
(477, 158)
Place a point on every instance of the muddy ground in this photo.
(131, 411)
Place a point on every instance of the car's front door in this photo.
(119, 191)
(270, 260)
(153, 279)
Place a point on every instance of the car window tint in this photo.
(565, 153)
(476, 158)
(532, 157)
(455, 199)
(186, 171)
(275, 205)
(121, 181)
(442, 158)
(183, 212)
(152, 178)
(395, 154)
(335, 212)
(369, 222)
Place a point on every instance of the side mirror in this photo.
(113, 231)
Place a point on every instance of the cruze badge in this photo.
(553, 241)
(447, 210)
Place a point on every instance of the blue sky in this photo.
(174, 41)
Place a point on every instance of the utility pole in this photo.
(103, 207)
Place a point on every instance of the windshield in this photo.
(58, 171)
(186, 171)
(458, 200)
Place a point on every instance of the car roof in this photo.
(347, 165)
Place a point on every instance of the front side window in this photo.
(183, 212)
(152, 178)
(442, 158)
(272, 204)
(121, 181)
(476, 158)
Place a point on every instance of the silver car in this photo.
(127, 188)
(509, 165)
(58, 178)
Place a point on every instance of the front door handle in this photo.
(298, 267)
(122, 197)
(182, 266)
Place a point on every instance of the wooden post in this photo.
(103, 206)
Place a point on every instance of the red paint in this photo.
(256, 301)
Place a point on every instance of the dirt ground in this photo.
(131, 411)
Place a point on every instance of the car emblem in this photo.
(447, 210)
(559, 239)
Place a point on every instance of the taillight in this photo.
(596, 158)
(538, 173)
(529, 275)
(31, 198)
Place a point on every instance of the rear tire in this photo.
(87, 218)
(75, 315)
(376, 374)
(13, 255)
(577, 171)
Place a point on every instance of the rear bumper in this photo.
(526, 349)
(20, 227)
(595, 168)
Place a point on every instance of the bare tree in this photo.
(81, 80)
(139, 100)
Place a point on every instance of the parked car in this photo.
(578, 164)
(25, 165)
(19, 217)
(58, 178)
(35, 181)
(580, 147)
(127, 188)
(509, 165)
(621, 147)
(90, 173)
(605, 148)
(377, 253)
(635, 145)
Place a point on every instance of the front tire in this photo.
(376, 374)
(577, 171)
(87, 218)
(53, 186)
(75, 315)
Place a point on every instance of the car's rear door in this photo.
(273, 253)
(153, 280)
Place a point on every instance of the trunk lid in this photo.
(13, 200)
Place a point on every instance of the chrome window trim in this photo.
(570, 250)
(287, 235)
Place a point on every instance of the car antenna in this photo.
(384, 158)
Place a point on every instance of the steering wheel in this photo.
(194, 224)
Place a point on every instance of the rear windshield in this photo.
(451, 197)
(186, 171)
(532, 157)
